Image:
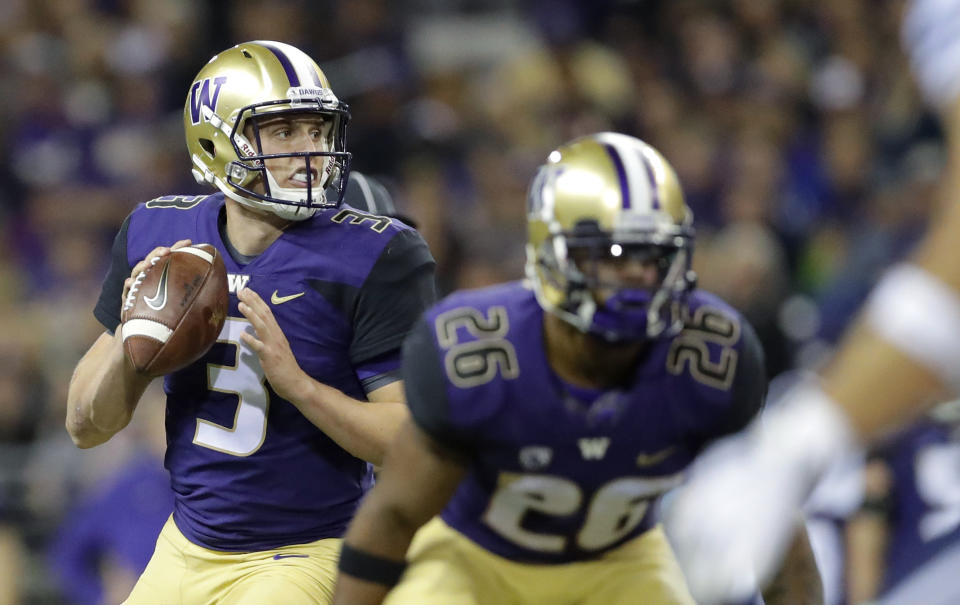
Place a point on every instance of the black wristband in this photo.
(877, 505)
(372, 568)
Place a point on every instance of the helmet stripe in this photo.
(288, 68)
(654, 190)
(621, 173)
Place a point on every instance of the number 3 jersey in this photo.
(557, 473)
(248, 470)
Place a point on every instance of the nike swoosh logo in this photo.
(279, 300)
(656, 457)
(278, 557)
(159, 300)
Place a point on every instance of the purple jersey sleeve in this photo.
(719, 362)
(398, 289)
(426, 389)
(379, 372)
(749, 388)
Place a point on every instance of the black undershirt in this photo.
(240, 259)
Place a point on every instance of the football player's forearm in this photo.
(376, 532)
(937, 251)
(362, 428)
(867, 533)
(798, 580)
(12, 556)
(950, 182)
(103, 392)
(385, 525)
(866, 536)
(878, 381)
(878, 385)
(353, 591)
(414, 487)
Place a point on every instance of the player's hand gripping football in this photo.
(271, 346)
(150, 259)
(733, 522)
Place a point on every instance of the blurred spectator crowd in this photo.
(804, 149)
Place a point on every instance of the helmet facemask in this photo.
(603, 299)
(324, 171)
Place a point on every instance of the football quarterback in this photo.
(237, 89)
(272, 434)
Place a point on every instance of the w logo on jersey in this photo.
(236, 282)
(593, 448)
(200, 96)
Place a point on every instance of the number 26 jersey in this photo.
(559, 473)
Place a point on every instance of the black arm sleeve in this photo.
(380, 380)
(107, 310)
(749, 389)
(426, 388)
(398, 290)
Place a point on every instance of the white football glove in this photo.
(931, 39)
(732, 523)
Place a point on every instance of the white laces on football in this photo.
(135, 287)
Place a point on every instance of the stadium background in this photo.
(795, 127)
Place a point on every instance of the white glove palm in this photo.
(733, 522)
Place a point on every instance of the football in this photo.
(175, 310)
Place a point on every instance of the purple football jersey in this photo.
(248, 470)
(559, 474)
(925, 500)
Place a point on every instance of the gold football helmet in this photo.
(609, 197)
(249, 81)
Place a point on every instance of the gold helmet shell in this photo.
(608, 191)
(248, 81)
